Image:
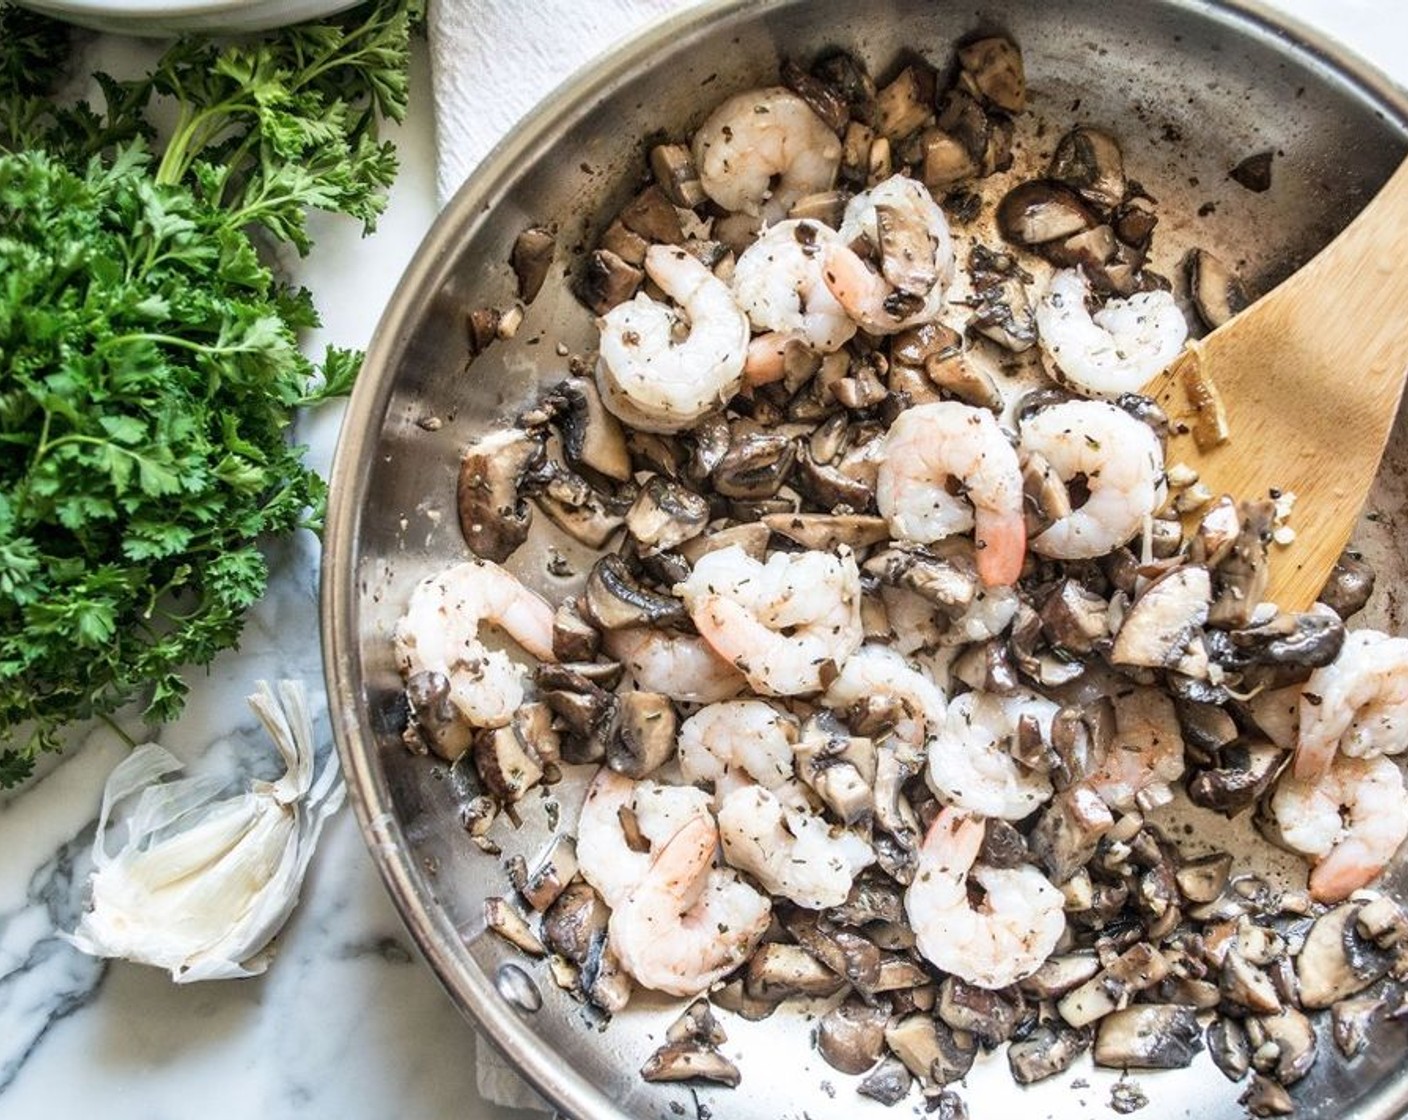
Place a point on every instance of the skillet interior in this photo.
(1190, 88)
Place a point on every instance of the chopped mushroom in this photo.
(508, 923)
(993, 68)
(851, 1036)
(686, 1061)
(1350, 584)
(1283, 1045)
(1265, 1097)
(1148, 1036)
(1162, 622)
(645, 734)
(592, 436)
(1038, 212)
(441, 724)
(888, 1083)
(493, 516)
(906, 103)
(665, 515)
(531, 258)
(673, 168)
(1216, 292)
(1047, 1051)
(608, 280)
(929, 1049)
(1090, 162)
(825, 531)
(1334, 963)
(778, 971)
(755, 466)
(615, 600)
(1351, 1020)
(546, 882)
(580, 511)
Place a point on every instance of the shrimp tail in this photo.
(1001, 540)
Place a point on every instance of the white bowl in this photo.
(175, 17)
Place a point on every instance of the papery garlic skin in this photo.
(201, 886)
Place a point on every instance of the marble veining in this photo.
(348, 1022)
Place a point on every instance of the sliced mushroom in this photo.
(573, 637)
(1039, 212)
(592, 436)
(905, 104)
(493, 517)
(988, 1015)
(441, 724)
(945, 159)
(508, 923)
(687, 1061)
(993, 68)
(1045, 496)
(608, 280)
(844, 952)
(1075, 618)
(531, 258)
(831, 488)
(665, 515)
(1202, 880)
(1334, 963)
(986, 666)
(1148, 1036)
(1242, 576)
(546, 882)
(947, 583)
(576, 508)
(1229, 1048)
(1266, 1098)
(752, 538)
(1059, 975)
(1351, 1021)
(826, 531)
(614, 599)
(1090, 162)
(674, 171)
(929, 1049)
(1246, 986)
(888, 1083)
(1139, 967)
(1216, 292)
(575, 921)
(1159, 626)
(1047, 1051)
(840, 768)
(1246, 772)
(1207, 728)
(506, 764)
(1283, 1045)
(1069, 830)
(851, 1036)
(821, 97)
(645, 734)
(1001, 309)
(697, 1024)
(778, 971)
(652, 215)
(1311, 640)
(586, 712)
(755, 466)
(1350, 584)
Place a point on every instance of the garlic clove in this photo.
(201, 886)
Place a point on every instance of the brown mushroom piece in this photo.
(843, 951)
(1148, 1036)
(1216, 292)
(989, 1016)
(1075, 618)
(905, 104)
(755, 465)
(531, 258)
(1351, 1021)
(508, 923)
(778, 971)
(1158, 628)
(992, 66)
(1228, 1047)
(839, 767)
(493, 516)
(1245, 771)
(549, 878)
(615, 600)
(574, 921)
(851, 1036)
(1047, 1051)
(1241, 578)
(831, 488)
(1059, 974)
(1001, 309)
(888, 1083)
(1283, 1045)
(508, 765)
(1207, 728)
(586, 713)
(1247, 987)
(441, 724)
(573, 637)
(688, 1061)
(1090, 162)
(929, 1049)
(575, 507)
(646, 723)
(1069, 830)
(1045, 497)
(1335, 962)
(1311, 640)
(607, 280)
(826, 531)
(665, 515)
(1038, 212)
(1138, 968)
(751, 537)
(651, 215)
(1265, 1097)
(1203, 879)
(591, 436)
(674, 171)
(1350, 584)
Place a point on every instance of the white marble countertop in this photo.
(348, 1023)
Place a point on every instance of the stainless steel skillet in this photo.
(1191, 87)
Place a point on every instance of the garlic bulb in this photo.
(201, 886)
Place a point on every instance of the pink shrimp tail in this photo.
(767, 357)
(1002, 547)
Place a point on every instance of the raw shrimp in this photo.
(788, 848)
(900, 218)
(687, 923)
(606, 858)
(778, 283)
(1122, 465)
(682, 666)
(1116, 350)
(970, 760)
(787, 624)
(760, 151)
(877, 672)
(993, 943)
(1350, 820)
(651, 378)
(932, 446)
(1358, 703)
(1145, 754)
(440, 633)
(736, 743)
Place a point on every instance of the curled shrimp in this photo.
(787, 624)
(900, 218)
(736, 743)
(1350, 821)
(604, 853)
(970, 760)
(440, 633)
(934, 445)
(762, 150)
(1122, 465)
(1357, 704)
(687, 923)
(789, 849)
(683, 667)
(778, 282)
(993, 943)
(648, 375)
(1116, 350)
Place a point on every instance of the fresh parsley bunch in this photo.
(149, 365)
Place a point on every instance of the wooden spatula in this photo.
(1309, 377)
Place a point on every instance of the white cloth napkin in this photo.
(491, 61)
